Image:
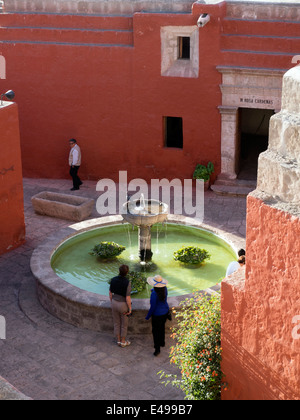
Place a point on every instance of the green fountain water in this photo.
(73, 263)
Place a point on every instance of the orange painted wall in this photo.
(112, 100)
(193, 99)
(12, 225)
(98, 79)
(261, 356)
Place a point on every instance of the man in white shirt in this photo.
(75, 162)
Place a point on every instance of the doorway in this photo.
(254, 135)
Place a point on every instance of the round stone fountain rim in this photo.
(40, 262)
(163, 206)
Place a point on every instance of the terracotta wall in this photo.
(98, 79)
(261, 357)
(109, 94)
(12, 226)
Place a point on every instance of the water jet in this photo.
(144, 214)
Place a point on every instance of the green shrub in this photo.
(107, 250)
(191, 255)
(203, 172)
(197, 351)
(138, 281)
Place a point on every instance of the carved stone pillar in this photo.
(229, 141)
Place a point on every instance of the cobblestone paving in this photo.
(47, 359)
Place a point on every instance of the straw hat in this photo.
(157, 281)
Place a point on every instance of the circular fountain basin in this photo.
(85, 303)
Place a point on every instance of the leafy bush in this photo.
(191, 255)
(138, 281)
(197, 351)
(203, 172)
(107, 250)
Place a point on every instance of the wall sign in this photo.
(254, 100)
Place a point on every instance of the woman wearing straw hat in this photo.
(158, 311)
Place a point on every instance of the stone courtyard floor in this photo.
(47, 359)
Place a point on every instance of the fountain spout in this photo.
(143, 214)
(142, 202)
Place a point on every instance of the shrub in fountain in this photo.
(138, 281)
(191, 255)
(107, 250)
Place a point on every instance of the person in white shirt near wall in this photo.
(235, 265)
(75, 162)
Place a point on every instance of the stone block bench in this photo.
(63, 206)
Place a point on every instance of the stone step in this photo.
(237, 188)
(223, 180)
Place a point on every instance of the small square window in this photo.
(180, 51)
(173, 133)
(184, 47)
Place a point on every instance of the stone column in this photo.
(278, 167)
(145, 252)
(229, 141)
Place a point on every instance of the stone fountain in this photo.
(143, 214)
(78, 305)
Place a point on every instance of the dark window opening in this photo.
(173, 132)
(184, 47)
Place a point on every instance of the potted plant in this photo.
(204, 172)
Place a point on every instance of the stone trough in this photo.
(63, 206)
